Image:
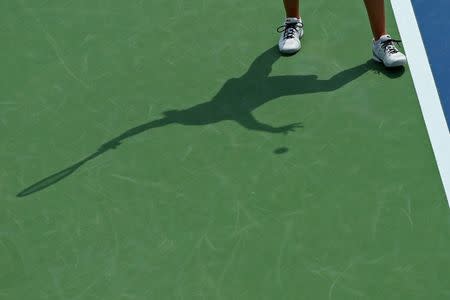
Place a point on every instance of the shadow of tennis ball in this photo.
(281, 150)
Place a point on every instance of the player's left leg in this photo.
(384, 49)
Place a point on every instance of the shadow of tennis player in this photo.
(235, 101)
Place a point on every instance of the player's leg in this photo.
(375, 10)
(292, 8)
(384, 49)
(292, 29)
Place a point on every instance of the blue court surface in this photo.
(424, 27)
(433, 19)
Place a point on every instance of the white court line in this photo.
(425, 87)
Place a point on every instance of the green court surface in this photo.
(144, 155)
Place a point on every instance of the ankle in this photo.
(379, 36)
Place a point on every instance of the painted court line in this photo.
(425, 87)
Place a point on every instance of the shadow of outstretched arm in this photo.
(278, 86)
(115, 142)
(342, 78)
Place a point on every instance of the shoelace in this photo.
(290, 29)
(389, 46)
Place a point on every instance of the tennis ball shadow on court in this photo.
(281, 150)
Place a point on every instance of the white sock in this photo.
(293, 20)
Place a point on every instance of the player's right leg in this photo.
(383, 47)
(292, 29)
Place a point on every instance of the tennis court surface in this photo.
(164, 150)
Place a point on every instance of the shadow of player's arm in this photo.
(248, 121)
(342, 78)
(278, 86)
(113, 143)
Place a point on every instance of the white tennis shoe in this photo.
(384, 51)
(291, 34)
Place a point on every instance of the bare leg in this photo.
(375, 10)
(292, 8)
